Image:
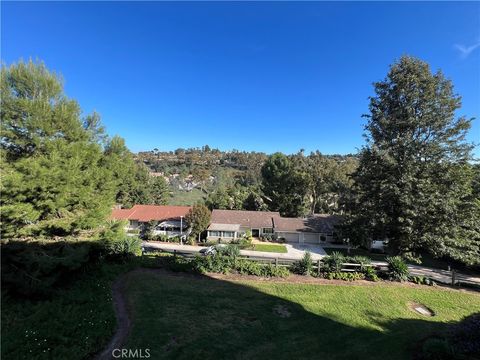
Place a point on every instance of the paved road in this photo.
(296, 252)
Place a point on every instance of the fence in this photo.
(318, 265)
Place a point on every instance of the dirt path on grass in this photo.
(123, 318)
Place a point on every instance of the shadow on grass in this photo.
(182, 316)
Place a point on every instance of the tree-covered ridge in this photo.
(237, 180)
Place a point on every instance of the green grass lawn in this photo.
(276, 248)
(186, 198)
(184, 316)
(201, 318)
(73, 324)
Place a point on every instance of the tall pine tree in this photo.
(414, 181)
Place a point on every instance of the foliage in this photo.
(436, 349)
(370, 273)
(421, 280)
(305, 265)
(465, 335)
(246, 267)
(414, 184)
(148, 228)
(284, 186)
(159, 191)
(397, 268)
(198, 218)
(73, 324)
(362, 260)
(33, 268)
(334, 262)
(231, 250)
(346, 276)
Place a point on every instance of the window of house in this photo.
(228, 234)
(323, 238)
(215, 233)
(267, 230)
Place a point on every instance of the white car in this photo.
(212, 250)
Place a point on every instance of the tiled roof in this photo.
(146, 213)
(251, 219)
(319, 223)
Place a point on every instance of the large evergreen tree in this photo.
(414, 183)
(53, 182)
(284, 186)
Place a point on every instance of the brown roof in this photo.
(146, 213)
(251, 219)
(319, 223)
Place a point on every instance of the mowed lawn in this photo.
(276, 248)
(193, 317)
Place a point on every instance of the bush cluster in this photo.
(268, 237)
(225, 264)
(421, 280)
(304, 266)
(397, 269)
(346, 276)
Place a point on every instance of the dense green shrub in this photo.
(334, 262)
(217, 264)
(397, 268)
(268, 237)
(116, 243)
(370, 273)
(34, 267)
(246, 267)
(304, 266)
(421, 280)
(122, 247)
(231, 250)
(362, 260)
(346, 276)
(226, 264)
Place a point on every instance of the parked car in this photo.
(212, 250)
(378, 246)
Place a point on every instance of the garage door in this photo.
(311, 238)
(289, 237)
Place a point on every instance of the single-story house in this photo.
(314, 229)
(170, 219)
(231, 224)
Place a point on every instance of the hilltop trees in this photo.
(414, 184)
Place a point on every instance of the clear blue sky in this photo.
(251, 76)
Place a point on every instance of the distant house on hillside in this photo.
(231, 224)
(171, 219)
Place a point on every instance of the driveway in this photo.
(294, 251)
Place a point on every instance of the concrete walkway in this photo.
(296, 252)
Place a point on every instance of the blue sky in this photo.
(251, 76)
